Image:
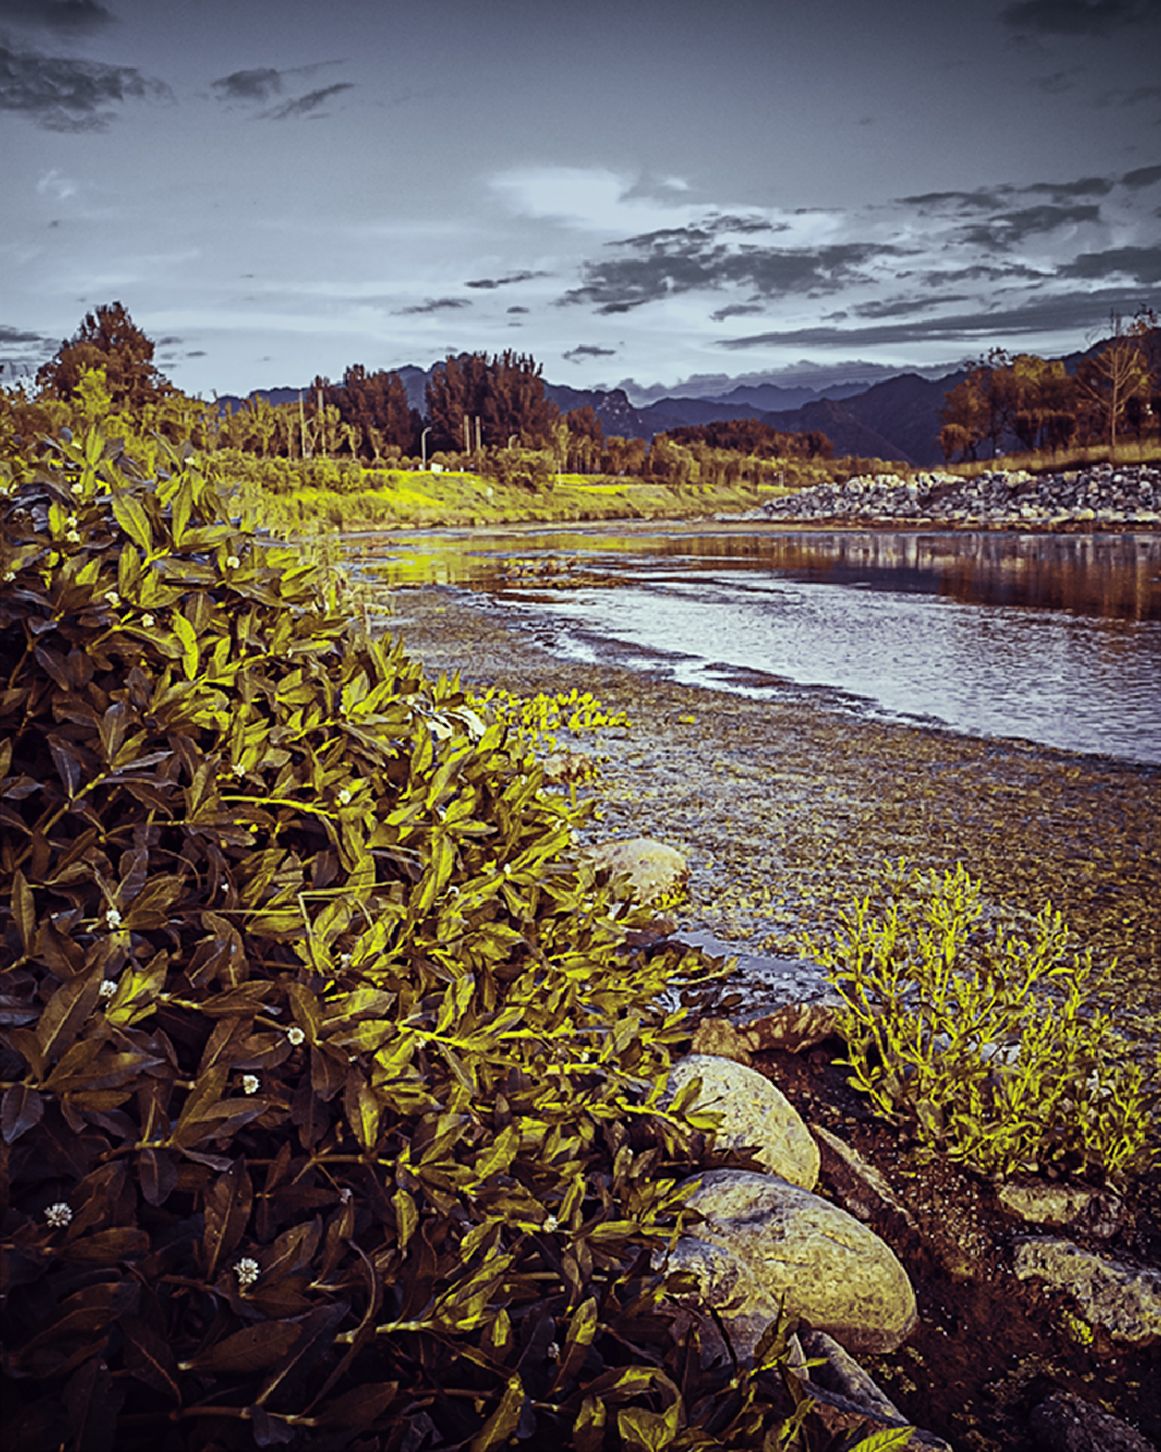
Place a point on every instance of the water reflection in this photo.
(1054, 638)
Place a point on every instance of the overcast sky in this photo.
(646, 190)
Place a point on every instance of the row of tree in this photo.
(1038, 404)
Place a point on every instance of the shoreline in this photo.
(787, 811)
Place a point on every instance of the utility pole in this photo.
(467, 434)
(423, 446)
(322, 424)
(477, 433)
(302, 425)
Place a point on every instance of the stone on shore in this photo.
(847, 1399)
(1065, 1423)
(644, 869)
(764, 1243)
(754, 1113)
(1057, 1203)
(1123, 1300)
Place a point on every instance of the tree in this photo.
(506, 393)
(1121, 371)
(108, 338)
(376, 405)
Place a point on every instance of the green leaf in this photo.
(889, 1439)
(189, 644)
(133, 520)
(504, 1420)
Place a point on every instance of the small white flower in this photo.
(113, 598)
(108, 988)
(113, 918)
(59, 1215)
(232, 562)
(71, 521)
(247, 1270)
(344, 795)
(9, 576)
(250, 1083)
(552, 1223)
(552, 1351)
(295, 1035)
(148, 621)
(344, 960)
(73, 537)
(238, 770)
(78, 488)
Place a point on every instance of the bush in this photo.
(330, 1102)
(986, 1041)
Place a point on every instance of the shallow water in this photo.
(1051, 638)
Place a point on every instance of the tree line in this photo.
(1039, 405)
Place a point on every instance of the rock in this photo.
(1056, 1202)
(772, 1242)
(720, 1037)
(646, 869)
(847, 1399)
(754, 1113)
(858, 1185)
(1124, 1300)
(793, 1027)
(1064, 1423)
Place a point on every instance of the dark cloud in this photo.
(196, 353)
(1067, 311)
(687, 259)
(517, 310)
(1073, 17)
(1143, 264)
(434, 305)
(995, 199)
(1144, 176)
(1009, 229)
(62, 94)
(1057, 83)
(587, 350)
(493, 282)
(651, 188)
(20, 347)
(256, 85)
(308, 105)
(906, 307)
(69, 16)
(982, 272)
(737, 310)
(1131, 96)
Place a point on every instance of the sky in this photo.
(648, 194)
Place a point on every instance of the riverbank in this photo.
(788, 812)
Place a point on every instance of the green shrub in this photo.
(329, 1094)
(987, 1041)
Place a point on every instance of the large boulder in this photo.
(1064, 1423)
(644, 869)
(1124, 1300)
(754, 1112)
(764, 1244)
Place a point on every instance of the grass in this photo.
(1042, 461)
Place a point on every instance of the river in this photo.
(1050, 638)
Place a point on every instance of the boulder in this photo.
(644, 869)
(771, 1243)
(1059, 1202)
(1064, 1423)
(754, 1112)
(1124, 1300)
(857, 1184)
(847, 1399)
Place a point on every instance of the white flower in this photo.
(73, 537)
(250, 1083)
(232, 562)
(113, 598)
(552, 1223)
(552, 1351)
(238, 769)
(344, 960)
(344, 795)
(113, 918)
(78, 488)
(295, 1035)
(108, 988)
(59, 1215)
(9, 576)
(71, 521)
(148, 621)
(247, 1270)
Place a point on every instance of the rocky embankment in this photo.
(1103, 495)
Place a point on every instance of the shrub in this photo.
(330, 1098)
(987, 1041)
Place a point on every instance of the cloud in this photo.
(1065, 312)
(1144, 176)
(434, 305)
(652, 188)
(737, 310)
(19, 345)
(1058, 82)
(516, 310)
(587, 350)
(1142, 264)
(55, 184)
(1131, 96)
(1073, 17)
(308, 105)
(62, 94)
(992, 199)
(506, 281)
(1010, 229)
(673, 260)
(66, 16)
(260, 84)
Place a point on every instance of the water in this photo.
(1051, 638)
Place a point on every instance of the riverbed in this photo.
(789, 796)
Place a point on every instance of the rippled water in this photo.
(1053, 638)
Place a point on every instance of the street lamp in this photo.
(423, 445)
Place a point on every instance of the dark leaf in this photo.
(149, 1358)
(227, 1213)
(23, 910)
(20, 1109)
(253, 1349)
(317, 1338)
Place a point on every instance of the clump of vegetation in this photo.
(330, 1098)
(987, 1041)
(542, 718)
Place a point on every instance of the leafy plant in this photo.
(330, 1097)
(987, 1041)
